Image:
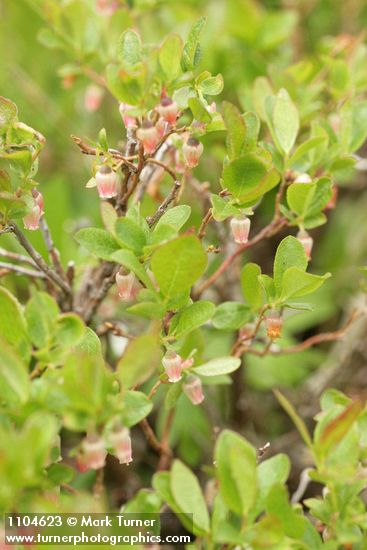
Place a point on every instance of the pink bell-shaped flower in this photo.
(92, 453)
(107, 182)
(193, 388)
(128, 120)
(306, 241)
(273, 324)
(93, 98)
(125, 285)
(192, 151)
(168, 110)
(121, 444)
(240, 229)
(172, 364)
(32, 219)
(149, 137)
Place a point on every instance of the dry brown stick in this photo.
(166, 453)
(165, 204)
(53, 253)
(39, 261)
(88, 150)
(266, 232)
(150, 436)
(17, 257)
(164, 166)
(20, 270)
(116, 330)
(204, 224)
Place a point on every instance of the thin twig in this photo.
(164, 166)
(17, 257)
(22, 270)
(165, 204)
(88, 150)
(150, 436)
(309, 342)
(206, 220)
(53, 253)
(38, 260)
(166, 453)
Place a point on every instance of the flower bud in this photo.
(187, 363)
(172, 364)
(149, 137)
(303, 178)
(306, 241)
(107, 7)
(92, 453)
(192, 151)
(194, 390)
(162, 127)
(168, 110)
(128, 120)
(240, 229)
(333, 199)
(121, 444)
(125, 285)
(107, 182)
(180, 165)
(32, 219)
(93, 98)
(274, 324)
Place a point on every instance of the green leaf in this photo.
(131, 262)
(305, 147)
(69, 330)
(192, 317)
(14, 378)
(109, 216)
(178, 264)
(236, 130)
(213, 85)
(8, 113)
(59, 474)
(222, 209)
(218, 366)
(261, 91)
(97, 241)
(250, 284)
(90, 344)
(41, 313)
(191, 52)
(130, 235)
(161, 484)
(188, 495)
(169, 56)
(130, 48)
(236, 470)
(297, 283)
(243, 173)
(135, 407)
(335, 430)
(141, 357)
(277, 504)
(199, 110)
(290, 253)
(285, 120)
(297, 420)
(231, 316)
(149, 310)
(299, 197)
(127, 86)
(175, 217)
(13, 327)
(247, 178)
(274, 470)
